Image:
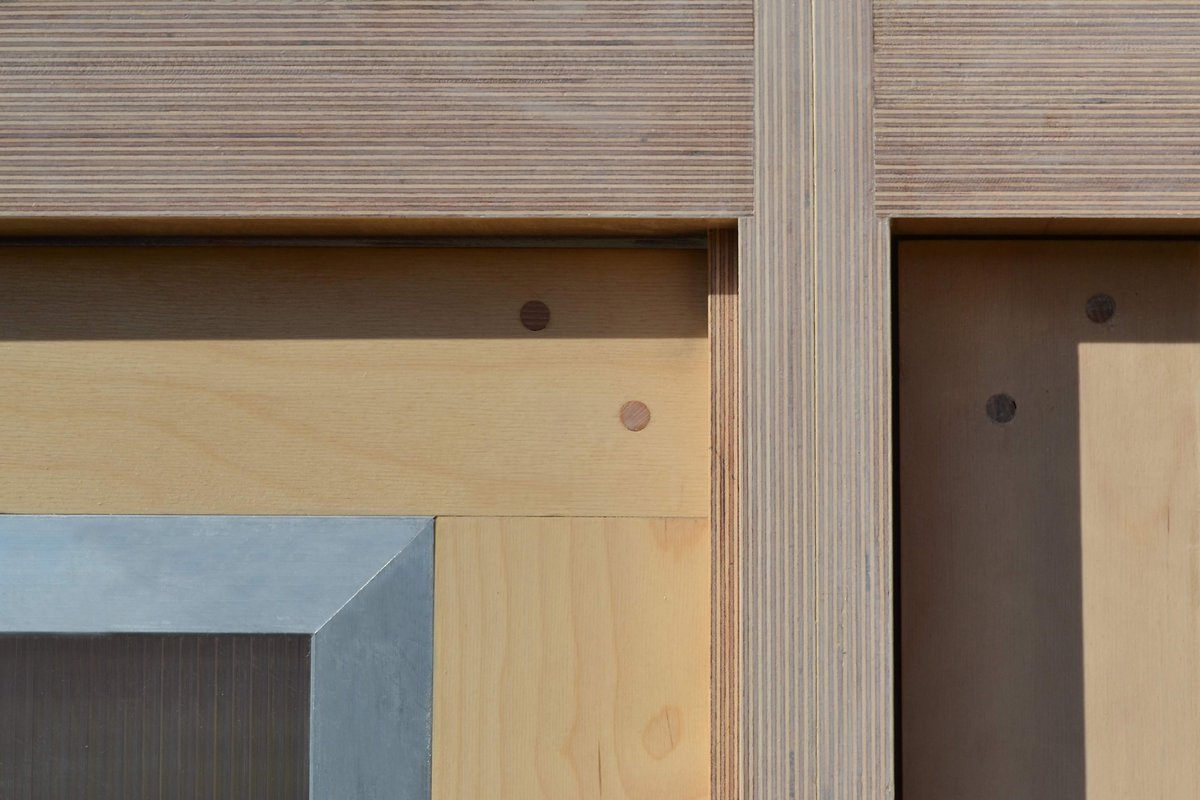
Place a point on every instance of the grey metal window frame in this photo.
(360, 587)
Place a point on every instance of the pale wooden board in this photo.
(1038, 108)
(1015, 656)
(572, 659)
(817, 715)
(307, 108)
(1139, 407)
(352, 381)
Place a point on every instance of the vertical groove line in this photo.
(811, 520)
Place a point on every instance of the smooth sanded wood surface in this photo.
(1039, 108)
(1139, 408)
(352, 381)
(295, 108)
(1048, 614)
(572, 659)
(815, 338)
(725, 341)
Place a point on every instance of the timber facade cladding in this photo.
(817, 125)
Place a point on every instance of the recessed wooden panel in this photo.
(572, 659)
(1049, 541)
(355, 381)
(292, 108)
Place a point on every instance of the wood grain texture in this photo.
(1047, 227)
(572, 659)
(189, 717)
(344, 227)
(1139, 422)
(1037, 108)
(724, 337)
(352, 381)
(725, 342)
(1048, 566)
(816, 368)
(291, 108)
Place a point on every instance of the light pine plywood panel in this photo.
(301, 108)
(1038, 593)
(352, 381)
(815, 338)
(572, 659)
(1040, 108)
(1139, 407)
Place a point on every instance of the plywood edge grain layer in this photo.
(815, 305)
(469, 223)
(572, 659)
(725, 342)
(1041, 108)
(353, 381)
(503, 107)
(1046, 227)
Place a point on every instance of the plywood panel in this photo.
(210, 230)
(815, 323)
(1139, 408)
(1037, 108)
(572, 659)
(356, 381)
(292, 108)
(1030, 613)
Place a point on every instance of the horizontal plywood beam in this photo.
(556, 108)
(1042, 108)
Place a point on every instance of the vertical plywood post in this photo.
(815, 303)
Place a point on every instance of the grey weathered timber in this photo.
(359, 589)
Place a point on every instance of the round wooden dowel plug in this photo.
(1001, 409)
(1100, 308)
(635, 415)
(535, 315)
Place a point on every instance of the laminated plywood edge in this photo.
(343, 231)
(505, 108)
(816, 580)
(724, 343)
